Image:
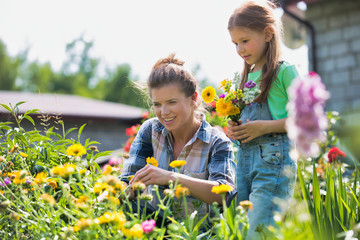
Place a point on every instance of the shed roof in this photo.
(69, 105)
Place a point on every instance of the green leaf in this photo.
(30, 119)
(6, 107)
(80, 131)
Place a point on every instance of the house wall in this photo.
(110, 133)
(337, 27)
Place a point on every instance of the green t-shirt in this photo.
(278, 97)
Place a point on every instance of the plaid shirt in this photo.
(208, 155)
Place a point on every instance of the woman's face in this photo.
(174, 110)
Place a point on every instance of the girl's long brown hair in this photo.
(257, 15)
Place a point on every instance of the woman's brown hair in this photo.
(258, 15)
(170, 70)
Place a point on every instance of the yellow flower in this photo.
(234, 110)
(222, 107)
(181, 191)
(63, 171)
(76, 150)
(99, 187)
(223, 188)
(48, 198)
(136, 231)
(246, 204)
(82, 224)
(113, 200)
(52, 183)
(208, 94)
(152, 161)
(177, 163)
(24, 155)
(108, 169)
(223, 83)
(40, 178)
(18, 176)
(82, 171)
(115, 217)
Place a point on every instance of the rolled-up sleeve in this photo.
(222, 166)
(141, 148)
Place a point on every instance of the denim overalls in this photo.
(264, 172)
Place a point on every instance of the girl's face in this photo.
(250, 45)
(174, 110)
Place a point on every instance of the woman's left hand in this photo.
(150, 175)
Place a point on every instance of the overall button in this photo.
(278, 154)
(274, 135)
(276, 144)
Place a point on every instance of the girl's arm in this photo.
(245, 132)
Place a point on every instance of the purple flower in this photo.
(307, 120)
(148, 225)
(222, 96)
(7, 181)
(1, 184)
(250, 84)
(234, 101)
(28, 181)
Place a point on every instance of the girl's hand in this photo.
(232, 129)
(250, 130)
(150, 175)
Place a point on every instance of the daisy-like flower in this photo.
(107, 169)
(40, 178)
(111, 217)
(138, 186)
(52, 183)
(63, 171)
(181, 191)
(223, 107)
(148, 225)
(136, 231)
(335, 154)
(24, 155)
(18, 176)
(152, 161)
(76, 150)
(223, 188)
(246, 204)
(48, 198)
(177, 163)
(208, 94)
(83, 223)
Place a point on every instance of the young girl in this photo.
(265, 172)
(180, 132)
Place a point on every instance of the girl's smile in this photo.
(250, 45)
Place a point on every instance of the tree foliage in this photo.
(79, 75)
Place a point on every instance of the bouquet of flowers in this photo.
(231, 103)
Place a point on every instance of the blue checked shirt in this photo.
(208, 155)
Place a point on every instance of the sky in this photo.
(136, 32)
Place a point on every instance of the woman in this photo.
(180, 132)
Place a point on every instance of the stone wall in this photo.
(337, 27)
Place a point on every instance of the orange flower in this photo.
(177, 163)
(246, 205)
(181, 191)
(223, 188)
(152, 161)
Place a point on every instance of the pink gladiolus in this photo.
(307, 120)
(148, 225)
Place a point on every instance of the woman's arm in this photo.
(245, 132)
(199, 188)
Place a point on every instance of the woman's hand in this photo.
(150, 175)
